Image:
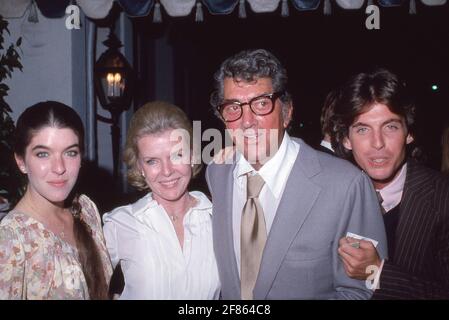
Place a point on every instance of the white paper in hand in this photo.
(356, 236)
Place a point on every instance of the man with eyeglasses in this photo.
(280, 207)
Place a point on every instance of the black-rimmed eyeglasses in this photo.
(260, 105)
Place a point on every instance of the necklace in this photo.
(175, 216)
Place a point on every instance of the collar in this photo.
(392, 193)
(327, 145)
(147, 203)
(149, 212)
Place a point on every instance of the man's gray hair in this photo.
(248, 66)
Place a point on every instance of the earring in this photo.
(23, 169)
(143, 174)
(192, 165)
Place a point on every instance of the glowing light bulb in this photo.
(110, 80)
(117, 86)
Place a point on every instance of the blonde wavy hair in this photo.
(154, 118)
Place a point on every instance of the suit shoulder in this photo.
(422, 176)
(337, 167)
(330, 171)
(212, 166)
(426, 183)
(216, 171)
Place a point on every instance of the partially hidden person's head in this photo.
(159, 150)
(251, 99)
(373, 124)
(48, 148)
(327, 112)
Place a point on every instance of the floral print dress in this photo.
(36, 264)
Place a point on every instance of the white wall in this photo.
(46, 56)
(54, 68)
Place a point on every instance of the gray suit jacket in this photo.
(324, 198)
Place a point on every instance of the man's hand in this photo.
(357, 255)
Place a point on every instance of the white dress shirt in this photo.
(275, 173)
(327, 145)
(142, 238)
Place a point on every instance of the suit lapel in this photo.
(416, 200)
(299, 195)
(223, 216)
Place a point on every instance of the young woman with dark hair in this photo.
(51, 243)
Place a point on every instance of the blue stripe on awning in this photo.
(220, 6)
(52, 8)
(140, 8)
(306, 4)
(137, 8)
(392, 3)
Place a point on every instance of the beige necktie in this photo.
(380, 199)
(253, 236)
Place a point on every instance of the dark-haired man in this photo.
(374, 126)
(325, 121)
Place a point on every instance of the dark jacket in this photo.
(420, 266)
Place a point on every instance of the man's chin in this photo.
(256, 152)
(381, 180)
(258, 158)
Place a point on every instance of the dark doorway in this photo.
(318, 51)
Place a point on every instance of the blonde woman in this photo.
(163, 241)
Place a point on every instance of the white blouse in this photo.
(142, 238)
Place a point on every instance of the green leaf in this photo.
(5, 106)
(11, 180)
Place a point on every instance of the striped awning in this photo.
(98, 9)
